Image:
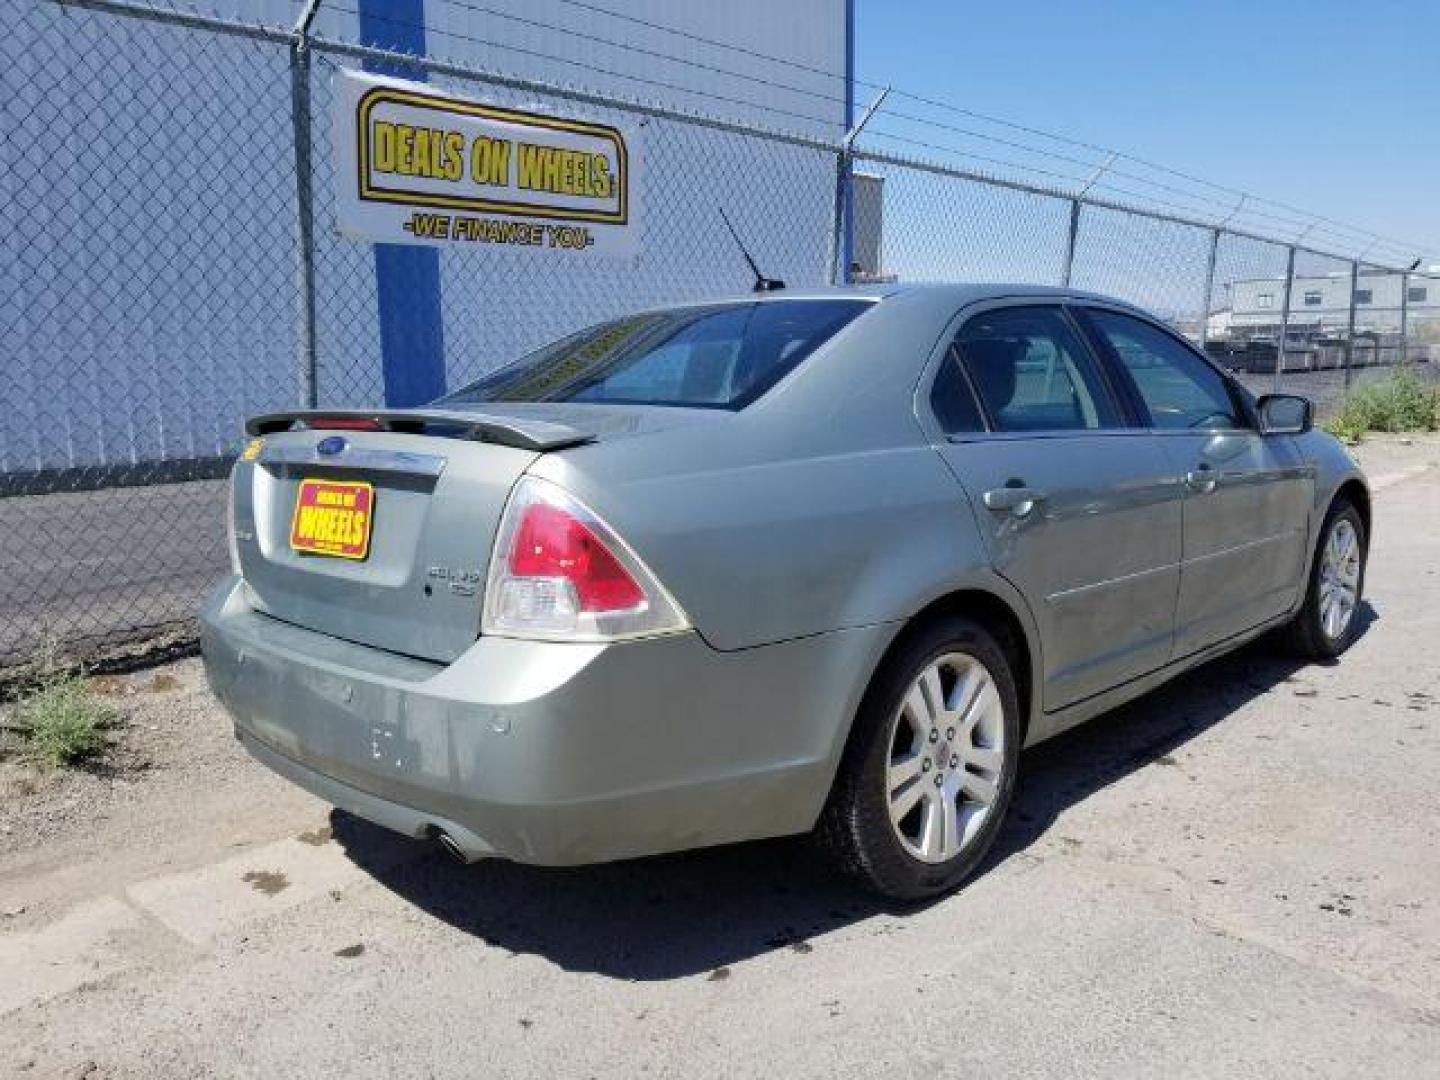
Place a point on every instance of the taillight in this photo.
(552, 543)
(559, 572)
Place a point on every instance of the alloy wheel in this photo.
(947, 755)
(1339, 579)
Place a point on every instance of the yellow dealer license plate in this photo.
(333, 518)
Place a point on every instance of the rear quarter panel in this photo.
(821, 507)
(763, 552)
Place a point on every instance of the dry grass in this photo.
(60, 722)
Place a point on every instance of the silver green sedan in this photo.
(818, 561)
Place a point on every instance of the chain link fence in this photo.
(171, 265)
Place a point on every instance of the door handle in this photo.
(1202, 479)
(1014, 497)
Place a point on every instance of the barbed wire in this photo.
(463, 5)
(1309, 219)
(597, 69)
(1238, 205)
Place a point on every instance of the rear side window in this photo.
(1033, 373)
(713, 357)
(951, 399)
(1180, 390)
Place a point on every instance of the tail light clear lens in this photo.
(232, 542)
(560, 573)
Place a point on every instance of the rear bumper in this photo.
(540, 752)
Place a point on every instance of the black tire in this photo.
(855, 826)
(1306, 634)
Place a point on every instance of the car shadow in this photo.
(697, 912)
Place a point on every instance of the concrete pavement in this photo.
(1235, 876)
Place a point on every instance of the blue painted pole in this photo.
(847, 241)
(407, 276)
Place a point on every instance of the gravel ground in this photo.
(1233, 876)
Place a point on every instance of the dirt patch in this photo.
(146, 741)
(172, 787)
(1382, 455)
(269, 882)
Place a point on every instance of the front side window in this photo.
(1180, 390)
(721, 356)
(1032, 372)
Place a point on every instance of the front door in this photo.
(1246, 496)
(1079, 508)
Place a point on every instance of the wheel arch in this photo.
(1000, 615)
(1357, 495)
(1353, 490)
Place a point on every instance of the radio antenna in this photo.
(762, 283)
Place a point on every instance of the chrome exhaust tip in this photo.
(450, 847)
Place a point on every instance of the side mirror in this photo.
(1285, 414)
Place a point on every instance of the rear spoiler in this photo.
(519, 432)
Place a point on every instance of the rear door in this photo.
(1247, 496)
(1078, 506)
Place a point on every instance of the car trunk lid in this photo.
(376, 527)
(435, 483)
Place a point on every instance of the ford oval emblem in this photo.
(331, 444)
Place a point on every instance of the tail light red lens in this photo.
(551, 543)
(561, 573)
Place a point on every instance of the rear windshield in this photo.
(716, 357)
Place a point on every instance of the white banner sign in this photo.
(419, 167)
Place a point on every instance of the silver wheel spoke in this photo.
(919, 710)
(940, 836)
(905, 770)
(968, 688)
(986, 759)
(972, 816)
(986, 702)
(902, 802)
(932, 827)
(933, 693)
(980, 788)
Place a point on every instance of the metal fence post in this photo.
(1350, 321)
(1404, 317)
(1285, 315)
(1209, 287)
(1070, 236)
(842, 235)
(305, 353)
(839, 273)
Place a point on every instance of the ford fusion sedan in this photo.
(809, 562)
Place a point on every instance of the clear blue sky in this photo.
(1330, 106)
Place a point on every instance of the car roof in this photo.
(959, 293)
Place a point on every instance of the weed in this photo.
(1401, 402)
(61, 721)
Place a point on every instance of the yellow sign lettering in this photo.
(563, 172)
